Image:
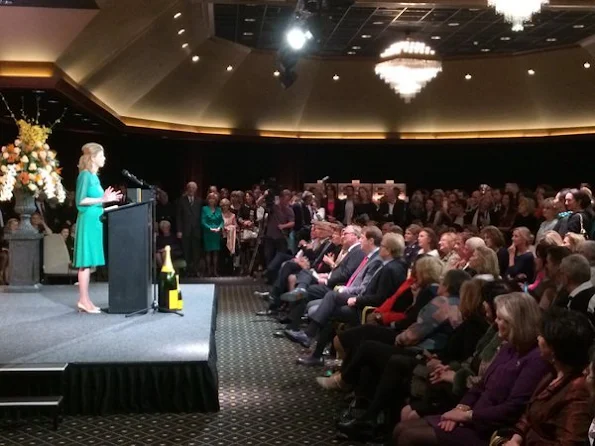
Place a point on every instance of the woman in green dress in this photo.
(88, 243)
(212, 223)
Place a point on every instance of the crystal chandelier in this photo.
(517, 12)
(407, 66)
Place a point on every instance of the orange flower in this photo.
(11, 158)
(10, 148)
(58, 170)
(24, 178)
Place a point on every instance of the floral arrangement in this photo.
(29, 164)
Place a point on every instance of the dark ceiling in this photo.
(71, 4)
(367, 31)
(52, 105)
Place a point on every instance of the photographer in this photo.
(281, 219)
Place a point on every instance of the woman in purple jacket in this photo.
(499, 399)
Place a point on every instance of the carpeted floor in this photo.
(265, 398)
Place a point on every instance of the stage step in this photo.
(35, 372)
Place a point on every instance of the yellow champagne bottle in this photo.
(180, 300)
(168, 287)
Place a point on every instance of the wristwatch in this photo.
(378, 317)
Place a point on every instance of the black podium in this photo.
(129, 231)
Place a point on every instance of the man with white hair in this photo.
(575, 274)
(188, 224)
(587, 249)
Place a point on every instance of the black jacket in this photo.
(384, 284)
(342, 273)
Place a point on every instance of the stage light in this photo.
(587, 65)
(298, 37)
(182, 31)
(195, 58)
(177, 15)
(276, 73)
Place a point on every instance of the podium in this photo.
(129, 232)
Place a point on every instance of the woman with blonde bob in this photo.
(499, 399)
(90, 197)
(484, 261)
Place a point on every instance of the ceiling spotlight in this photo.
(276, 73)
(504, 38)
(587, 65)
(351, 53)
(249, 20)
(377, 23)
(468, 77)
(195, 58)
(185, 45)
(356, 47)
(229, 68)
(182, 31)
(578, 26)
(453, 24)
(297, 38)
(54, 101)
(436, 37)
(531, 72)
(177, 15)
(366, 36)
(336, 77)
(485, 50)
(248, 33)
(551, 39)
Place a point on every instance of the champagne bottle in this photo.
(168, 287)
(180, 300)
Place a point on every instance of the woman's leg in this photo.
(84, 276)
(352, 338)
(338, 347)
(369, 354)
(414, 433)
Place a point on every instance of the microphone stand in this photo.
(154, 308)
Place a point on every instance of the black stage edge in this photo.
(152, 363)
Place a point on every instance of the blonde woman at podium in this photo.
(90, 197)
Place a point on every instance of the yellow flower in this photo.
(32, 167)
(32, 187)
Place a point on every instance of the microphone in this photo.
(132, 177)
(326, 178)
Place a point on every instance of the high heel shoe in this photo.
(82, 309)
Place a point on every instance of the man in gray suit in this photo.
(188, 214)
(370, 241)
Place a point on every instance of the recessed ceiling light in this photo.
(356, 47)
(195, 58)
(182, 31)
(78, 115)
(229, 68)
(531, 72)
(250, 20)
(366, 36)
(248, 33)
(504, 38)
(351, 53)
(578, 26)
(475, 43)
(177, 15)
(485, 50)
(276, 73)
(185, 45)
(377, 23)
(53, 101)
(551, 39)
(336, 77)
(468, 77)
(587, 65)
(453, 24)
(94, 123)
(39, 91)
(436, 37)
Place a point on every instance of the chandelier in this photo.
(407, 67)
(517, 12)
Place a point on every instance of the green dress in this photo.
(211, 219)
(88, 243)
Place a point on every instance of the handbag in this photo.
(583, 232)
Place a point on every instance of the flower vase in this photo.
(24, 206)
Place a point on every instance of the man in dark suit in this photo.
(575, 274)
(384, 284)
(303, 216)
(188, 225)
(305, 291)
(370, 245)
(392, 210)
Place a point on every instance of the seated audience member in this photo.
(65, 233)
(550, 219)
(499, 399)
(484, 262)
(333, 299)
(521, 261)
(167, 238)
(38, 223)
(446, 247)
(573, 241)
(560, 411)
(449, 379)
(526, 215)
(11, 225)
(426, 275)
(494, 239)
(587, 249)
(392, 365)
(428, 242)
(575, 275)
(384, 282)
(411, 246)
(554, 292)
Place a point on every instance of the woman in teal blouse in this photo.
(88, 243)
(212, 223)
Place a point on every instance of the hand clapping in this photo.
(110, 195)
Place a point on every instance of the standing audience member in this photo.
(188, 225)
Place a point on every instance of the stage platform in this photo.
(146, 363)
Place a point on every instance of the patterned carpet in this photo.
(265, 398)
